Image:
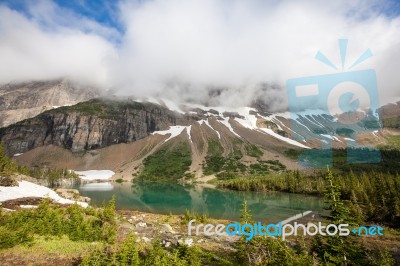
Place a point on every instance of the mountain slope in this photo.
(19, 101)
(135, 137)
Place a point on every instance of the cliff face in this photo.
(25, 100)
(89, 125)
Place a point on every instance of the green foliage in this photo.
(49, 219)
(337, 250)
(270, 251)
(338, 212)
(393, 122)
(253, 151)
(393, 142)
(119, 180)
(289, 181)
(103, 108)
(7, 166)
(347, 132)
(167, 164)
(371, 197)
(214, 160)
(53, 176)
(245, 215)
(130, 253)
(188, 216)
(292, 153)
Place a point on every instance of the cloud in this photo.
(191, 49)
(47, 46)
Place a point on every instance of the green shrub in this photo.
(49, 219)
(167, 164)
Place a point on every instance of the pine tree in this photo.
(337, 250)
(245, 216)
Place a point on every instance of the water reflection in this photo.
(175, 198)
(104, 186)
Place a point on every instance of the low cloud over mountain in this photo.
(188, 50)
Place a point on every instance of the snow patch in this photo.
(228, 125)
(188, 130)
(17, 154)
(330, 137)
(173, 130)
(349, 139)
(28, 206)
(326, 136)
(287, 140)
(95, 174)
(28, 189)
(337, 139)
(58, 106)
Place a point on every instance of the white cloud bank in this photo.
(181, 49)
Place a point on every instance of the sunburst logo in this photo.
(343, 54)
(348, 97)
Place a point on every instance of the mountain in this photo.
(19, 101)
(147, 137)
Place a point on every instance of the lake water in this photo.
(216, 203)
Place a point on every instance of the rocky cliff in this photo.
(89, 125)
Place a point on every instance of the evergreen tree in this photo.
(337, 250)
(245, 216)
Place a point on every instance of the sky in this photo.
(224, 52)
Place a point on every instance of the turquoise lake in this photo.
(216, 203)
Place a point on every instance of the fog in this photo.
(214, 51)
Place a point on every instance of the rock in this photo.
(188, 242)
(85, 199)
(146, 239)
(166, 243)
(80, 129)
(167, 228)
(22, 100)
(141, 224)
(130, 221)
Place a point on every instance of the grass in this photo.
(393, 141)
(393, 122)
(168, 164)
(59, 245)
(49, 250)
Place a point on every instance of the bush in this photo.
(169, 163)
(49, 219)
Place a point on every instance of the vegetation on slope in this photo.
(373, 197)
(167, 164)
(75, 222)
(53, 176)
(103, 108)
(227, 167)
